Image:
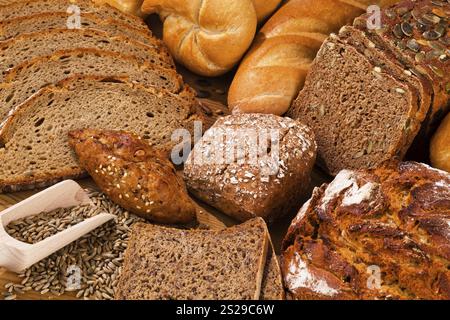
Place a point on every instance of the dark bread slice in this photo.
(27, 46)
(386, 62)
(170, 264)
(272, 283)
(359, 116)
(36, 151)
(423, 48)
(26, 8)
(27, 78)
(40, 22)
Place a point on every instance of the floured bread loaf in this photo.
(252, 165)
(372, 234)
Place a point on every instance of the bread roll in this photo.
(440, 146)
(127, 6)
(258, 180)
(274, 70)
(209, 37)
(264, 8)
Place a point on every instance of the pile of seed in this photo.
(95, 259)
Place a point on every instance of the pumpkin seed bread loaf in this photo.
(171, 264)
(139, 178)
(369, 98)
(252, 165)
(372, 234)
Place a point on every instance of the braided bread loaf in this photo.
(208, 37)
(274, 70)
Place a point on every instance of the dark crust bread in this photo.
(241, 190)
(393, 218)
(137, 177)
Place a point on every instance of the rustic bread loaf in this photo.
(40, 22)
(26, 46)
(416, 32)
(355, 129)
(27, 78)
(274, 70)
(252, 165)
(137, 177)
(36, 151)
(209, 37)
(170, 264)
(30, 7)
(373, 234)
(440, 146)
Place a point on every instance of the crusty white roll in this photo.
(264, 8)
(209, 37)
(440, 146)
(127, 6)
(274, 70)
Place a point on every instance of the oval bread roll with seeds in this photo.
(135, 176)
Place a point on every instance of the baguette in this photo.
(274, 70)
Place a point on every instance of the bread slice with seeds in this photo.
(40, 22)
(26, 8)
(361, 118)
(27, 78)
(170, 264)
(36, 151)
(26, 46)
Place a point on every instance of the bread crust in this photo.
(209, 37)
(394, 219)
(135, 176)
(440, 146)
(241, 189)
(274, 70)
(264, 8)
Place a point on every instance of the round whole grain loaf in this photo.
(250, 165)
(372, 234)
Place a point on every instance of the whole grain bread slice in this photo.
(22, 8)
(170, 264)
(27, 46)
(361, 117)
(272, 287)
(36, 151)
(40, 22)
(27, 78)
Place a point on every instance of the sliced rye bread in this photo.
(36, 152)
(27, 46)
(272, 287)
(27, 78)
(58, 20)
(171, 264)
(26, 8)
(416, 34)
(386, 62)
(361, 118)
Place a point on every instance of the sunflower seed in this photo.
(413, 45)
(431, 35)
(406, 29)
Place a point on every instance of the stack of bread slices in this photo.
(74, 64)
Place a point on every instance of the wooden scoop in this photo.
(16, 255)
